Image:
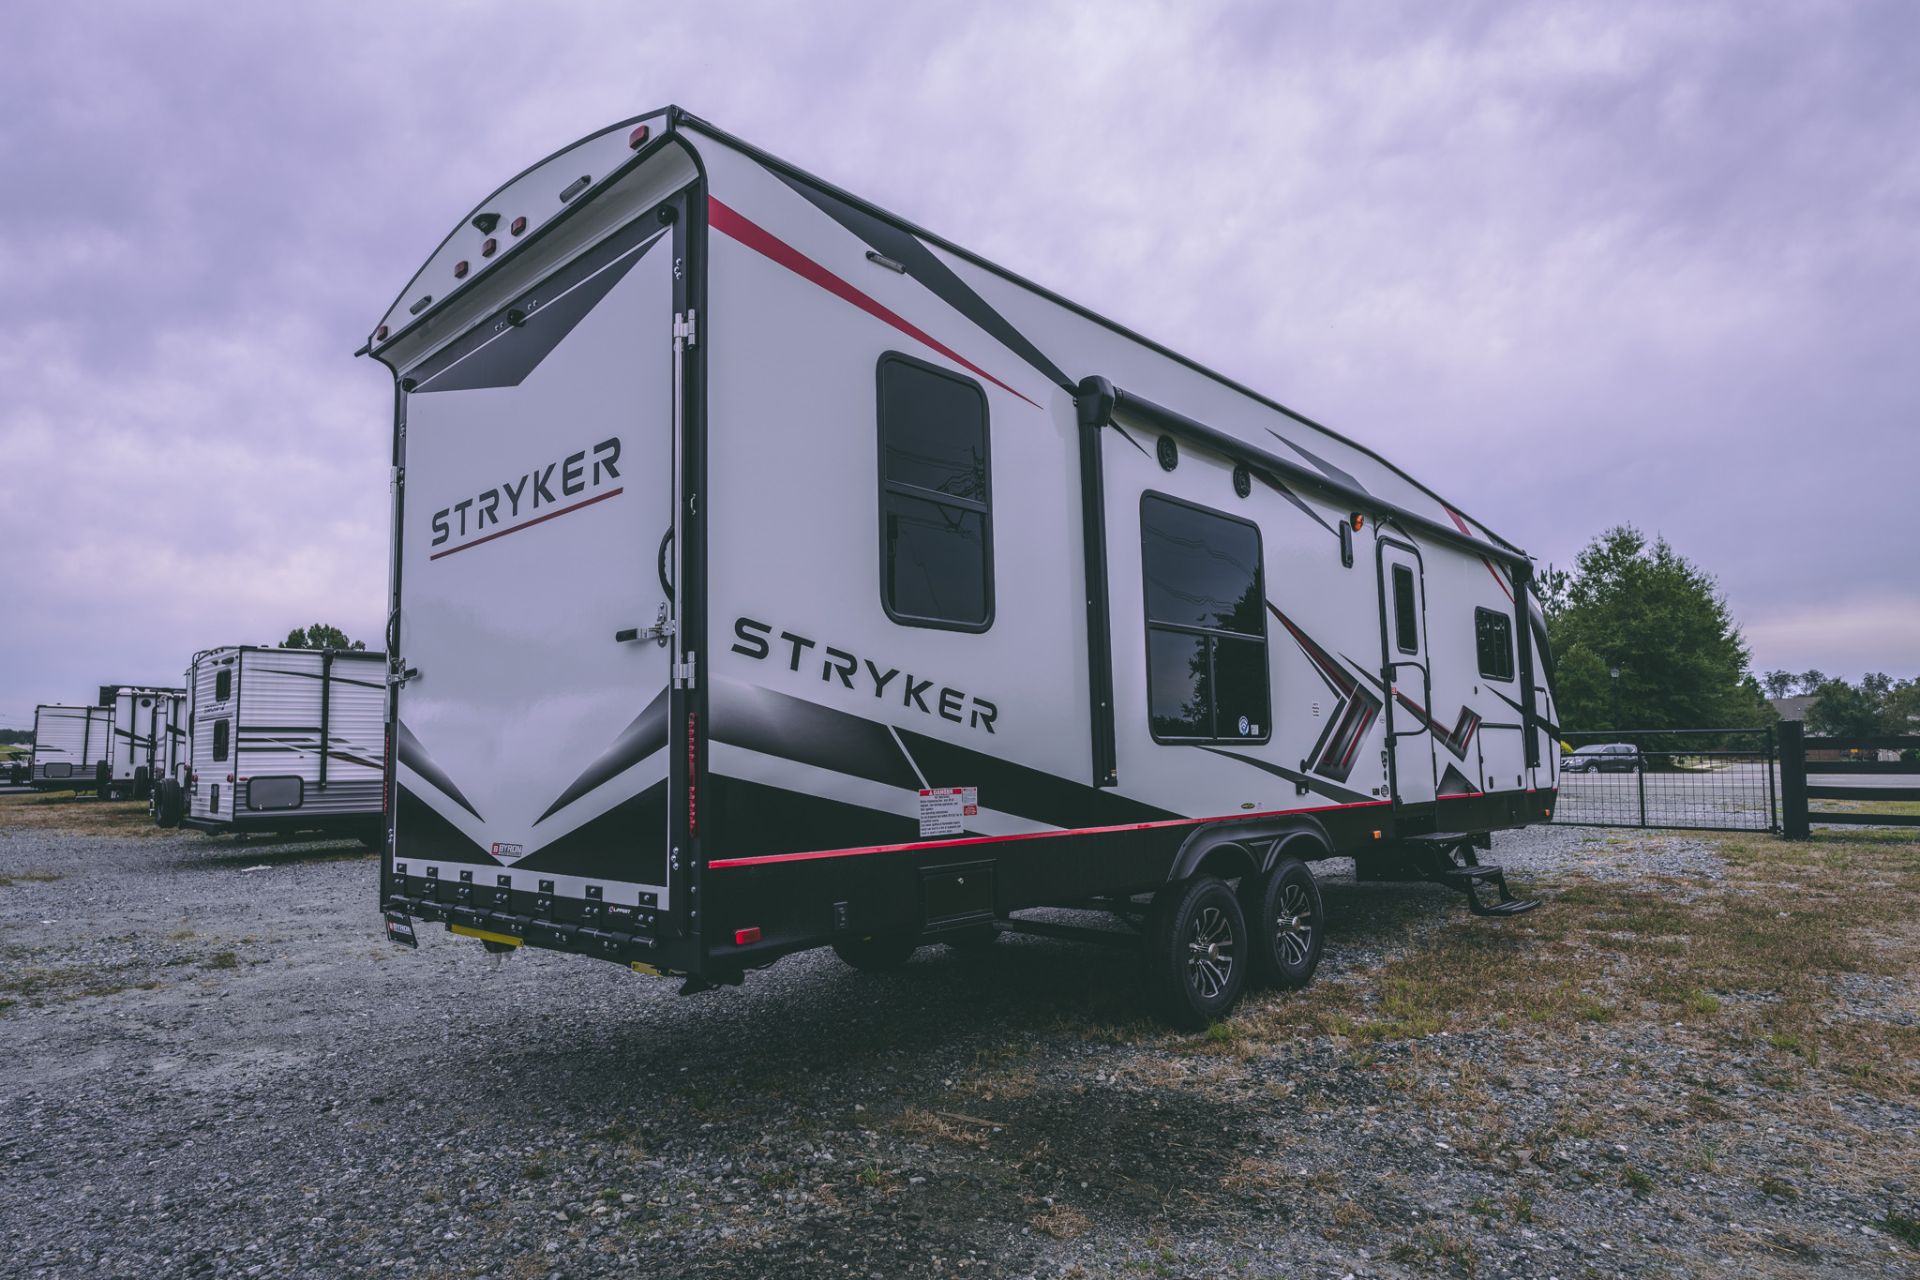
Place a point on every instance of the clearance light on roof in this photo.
(518, 225)
(638, 137)
(380, 334)
(460, 269)
(489, 248)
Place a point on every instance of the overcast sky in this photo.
(1570, 265)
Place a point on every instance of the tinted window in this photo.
(222, 685)
(936, 516)
(220, 739)
(1406, 618)
(1206, 624)
(1493, 636)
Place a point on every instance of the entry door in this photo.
(1403, 608)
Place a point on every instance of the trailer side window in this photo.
(936, 512)
(1406, 616)
(222, 685)
(1206, 625)
(1493, 635)
(220, 730)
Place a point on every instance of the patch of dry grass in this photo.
(29, 876)
(75, 814)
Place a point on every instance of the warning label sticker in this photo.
(944, 812)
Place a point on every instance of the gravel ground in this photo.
(217, 1066)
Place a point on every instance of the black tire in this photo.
(1196, 951)
(142, 785)
(977, 937)
(878, 952)
(1287, 923)
(169, 806)
(103, 781)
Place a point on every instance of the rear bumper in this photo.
(623, 940)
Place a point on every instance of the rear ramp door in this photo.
(532, 737)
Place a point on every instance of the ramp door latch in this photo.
(399, 678)
(662, 628)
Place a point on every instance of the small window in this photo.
(1493, 634)
(1406, 612)
(220, 739)
(1206, 625)
(936, 513)
(222, 685)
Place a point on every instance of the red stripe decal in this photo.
(763, 859)
(528, 524)
(1497, 578)
(764, 242)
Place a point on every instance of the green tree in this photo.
(1842, 710)
(320, 636)
(1639, 608)
(1779, 684)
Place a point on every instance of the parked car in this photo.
(1604, 757)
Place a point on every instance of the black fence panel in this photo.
(1684, 779)
(1881, 791)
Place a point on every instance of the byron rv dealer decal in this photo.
(534, 489)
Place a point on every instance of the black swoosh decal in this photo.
(928, 270)
(415, 757)
(486, 358)
(1296, 777)
(779, 724)
(1326, 468)
(640, 739)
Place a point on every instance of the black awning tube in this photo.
(1099, 397)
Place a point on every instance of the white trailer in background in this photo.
(282, 740)
(70, 747)
(139, 736)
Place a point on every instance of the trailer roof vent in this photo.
(575, 187)
(484, 223)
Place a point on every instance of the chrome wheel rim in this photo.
(1210, 946)
(1293, 926)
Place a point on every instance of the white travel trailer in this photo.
(770, 573)
(71, 746)
(282, 740)
(140, 722)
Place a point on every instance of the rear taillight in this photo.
(746, 937)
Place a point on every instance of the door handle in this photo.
(661, 629)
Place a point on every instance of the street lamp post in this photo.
(1614, 672)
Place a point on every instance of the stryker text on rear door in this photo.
(769, 573)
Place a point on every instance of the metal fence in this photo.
(1686, 779)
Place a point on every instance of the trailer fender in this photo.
(1232, 849)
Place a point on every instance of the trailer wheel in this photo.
(103, 780)
(169, 805)
(878, 952)
(1288, 923)
(1197, 953)
(142, 786)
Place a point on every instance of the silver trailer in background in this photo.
(282, 740)
(139, 733)
(70, 746)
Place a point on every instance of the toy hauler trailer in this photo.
(139, 736)
(769, 573)
(71, 747)
(282, 740)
